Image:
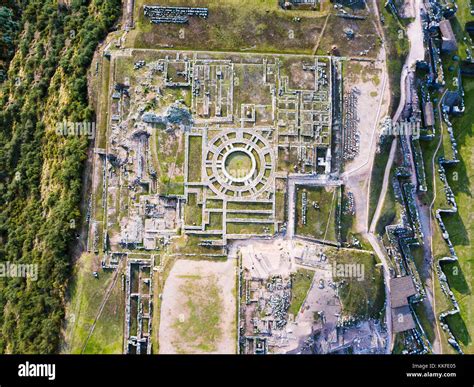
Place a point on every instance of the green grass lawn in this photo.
(86, 295)
(301, 282)
(250, 228)
(399, 343)
(238, 164)
(215, 221)
(320, 223)
(256, 206)
(194, 159)
(248, 215)
(417, 253)
(107, 337)
(214, 203)
(103, 103)
(280, 203)
(192, 211)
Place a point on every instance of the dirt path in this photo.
(315, 49)
(393, 149)
(415, 36)
(383, 192)
(357, 180)
(357, 177)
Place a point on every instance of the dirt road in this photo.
(417, 52)
(415, 37)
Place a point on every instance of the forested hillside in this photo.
(9, 27)
(40, 171)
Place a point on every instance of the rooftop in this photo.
(402, 319)
(401, 288)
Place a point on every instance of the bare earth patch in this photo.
(374, 98)
(198, 313)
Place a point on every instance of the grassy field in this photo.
(442, 304)
(194, 159)
(301, 282)
(335, 41)
(417, 253)
(347, 219)
(238, 164)
(233, 25)
(215, 221)
(360, 298)
(249, 206)
(427, 324)
(168, 157)
(398, 47)
(189, 244)
(107, 337)
(186, 244)
(399, 344)
(193, 211)
(389, 210)
(280, 203)
(204, 303)
(378, 170)
(103, 103)
(86, 295)
(247, 215)
(461, 225)
(249, 228)
(320, 223)
(197, 307)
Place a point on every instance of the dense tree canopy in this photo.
(9, 27)
(40, 172)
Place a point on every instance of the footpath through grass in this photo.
(87, 293)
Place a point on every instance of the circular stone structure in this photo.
(239, 163)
